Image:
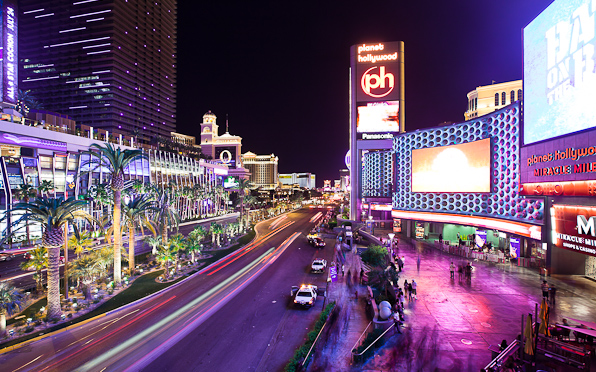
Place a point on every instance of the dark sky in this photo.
(280, 69)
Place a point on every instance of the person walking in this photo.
(396, 322)
(418, 263)
(452, 270)
(361, 274)
(342, 270)
(400, 263)
(544, 287)
(413, 285)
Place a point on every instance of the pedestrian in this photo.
(544, 289)
(396, 322)
(452, 270)
(361, 274)
(400, 263)
(356, 295)
(410, 291)
(418, 262)
(469, 272)
(413, 285)
(553, 292)
(342, 270)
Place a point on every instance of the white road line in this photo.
(25, 365)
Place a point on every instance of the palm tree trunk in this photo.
(39, 282)
(131, 251)
(164, 233)
(2, 322)
(66, 260)
(53, 242)
(117, 237)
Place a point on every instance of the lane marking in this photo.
(25, 365)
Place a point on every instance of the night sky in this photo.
(281, 72)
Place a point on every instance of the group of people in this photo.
(409, 290)
(462, 270)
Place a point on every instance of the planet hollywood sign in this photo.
(377, 71)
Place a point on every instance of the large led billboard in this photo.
(456, 168)
(378, 117)
(377, 71)
(559, 72)
(226, 155)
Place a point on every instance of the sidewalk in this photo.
(352, 321)
(452, 323)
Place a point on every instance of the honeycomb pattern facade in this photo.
(504, 201)
(377, 174)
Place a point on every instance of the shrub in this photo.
(295, 364)
(375, 255)
(367, 341)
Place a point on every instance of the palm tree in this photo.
(165, 255)
(26, 102)
(85, 269)
(37, 262)
(243, 186)
(166, 214)
(80, 241)
(52, 214)
(216, 231)
(10, 299)
(154, 242)
(104, 258)
(135, 211)
(177, 243)
(24, 193)
(115, 161)
(193, 241)
(45, 187)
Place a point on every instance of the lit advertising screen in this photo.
(377, 71)
(480, 238)
(231, 182)
(514, 247)
(574, 228)
(9, 51)
(559, 73)
(457, 168)
(378, 117)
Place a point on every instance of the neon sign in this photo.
(378, 71)
(10, 40)
(372, 81)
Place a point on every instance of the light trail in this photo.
(147, 333)
(141, 315)
(233, 257)
(277, 222)
(316, 217)
(271, 255)
(25, 365)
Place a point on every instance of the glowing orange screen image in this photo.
(456, 168)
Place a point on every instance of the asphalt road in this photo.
(233, 316)
(11, 270)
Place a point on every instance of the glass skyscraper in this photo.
(108, 64)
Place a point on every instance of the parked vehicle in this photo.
(305, 295)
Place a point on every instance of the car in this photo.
(318, 265)
(315, 241)
(5, 256)
(305, 295)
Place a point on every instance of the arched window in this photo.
(512, 96)
(503, 98)
(519, 94)
(496, 99)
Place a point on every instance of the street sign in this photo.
(333, 273)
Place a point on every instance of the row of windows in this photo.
(503, 96)
(473, 104)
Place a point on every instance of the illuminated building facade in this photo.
(32, 154)
(262, 168)
(303, 180)
(109, 65)
(488, 98)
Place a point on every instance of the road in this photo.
(245, 297)
(11, 270)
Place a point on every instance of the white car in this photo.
(306, 295)
(318, 265)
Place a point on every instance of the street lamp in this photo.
(372, 224)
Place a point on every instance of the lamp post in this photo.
(372, 224)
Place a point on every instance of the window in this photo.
(475, 103)
(512, 96)
(496, 99)
(503, 98)
(519, 94)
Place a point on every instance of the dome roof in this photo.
(209, 113)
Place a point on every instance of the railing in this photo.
(360, 338)
(372, 343)
(577, 357)
(498, 361)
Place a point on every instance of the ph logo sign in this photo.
(377, 83)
